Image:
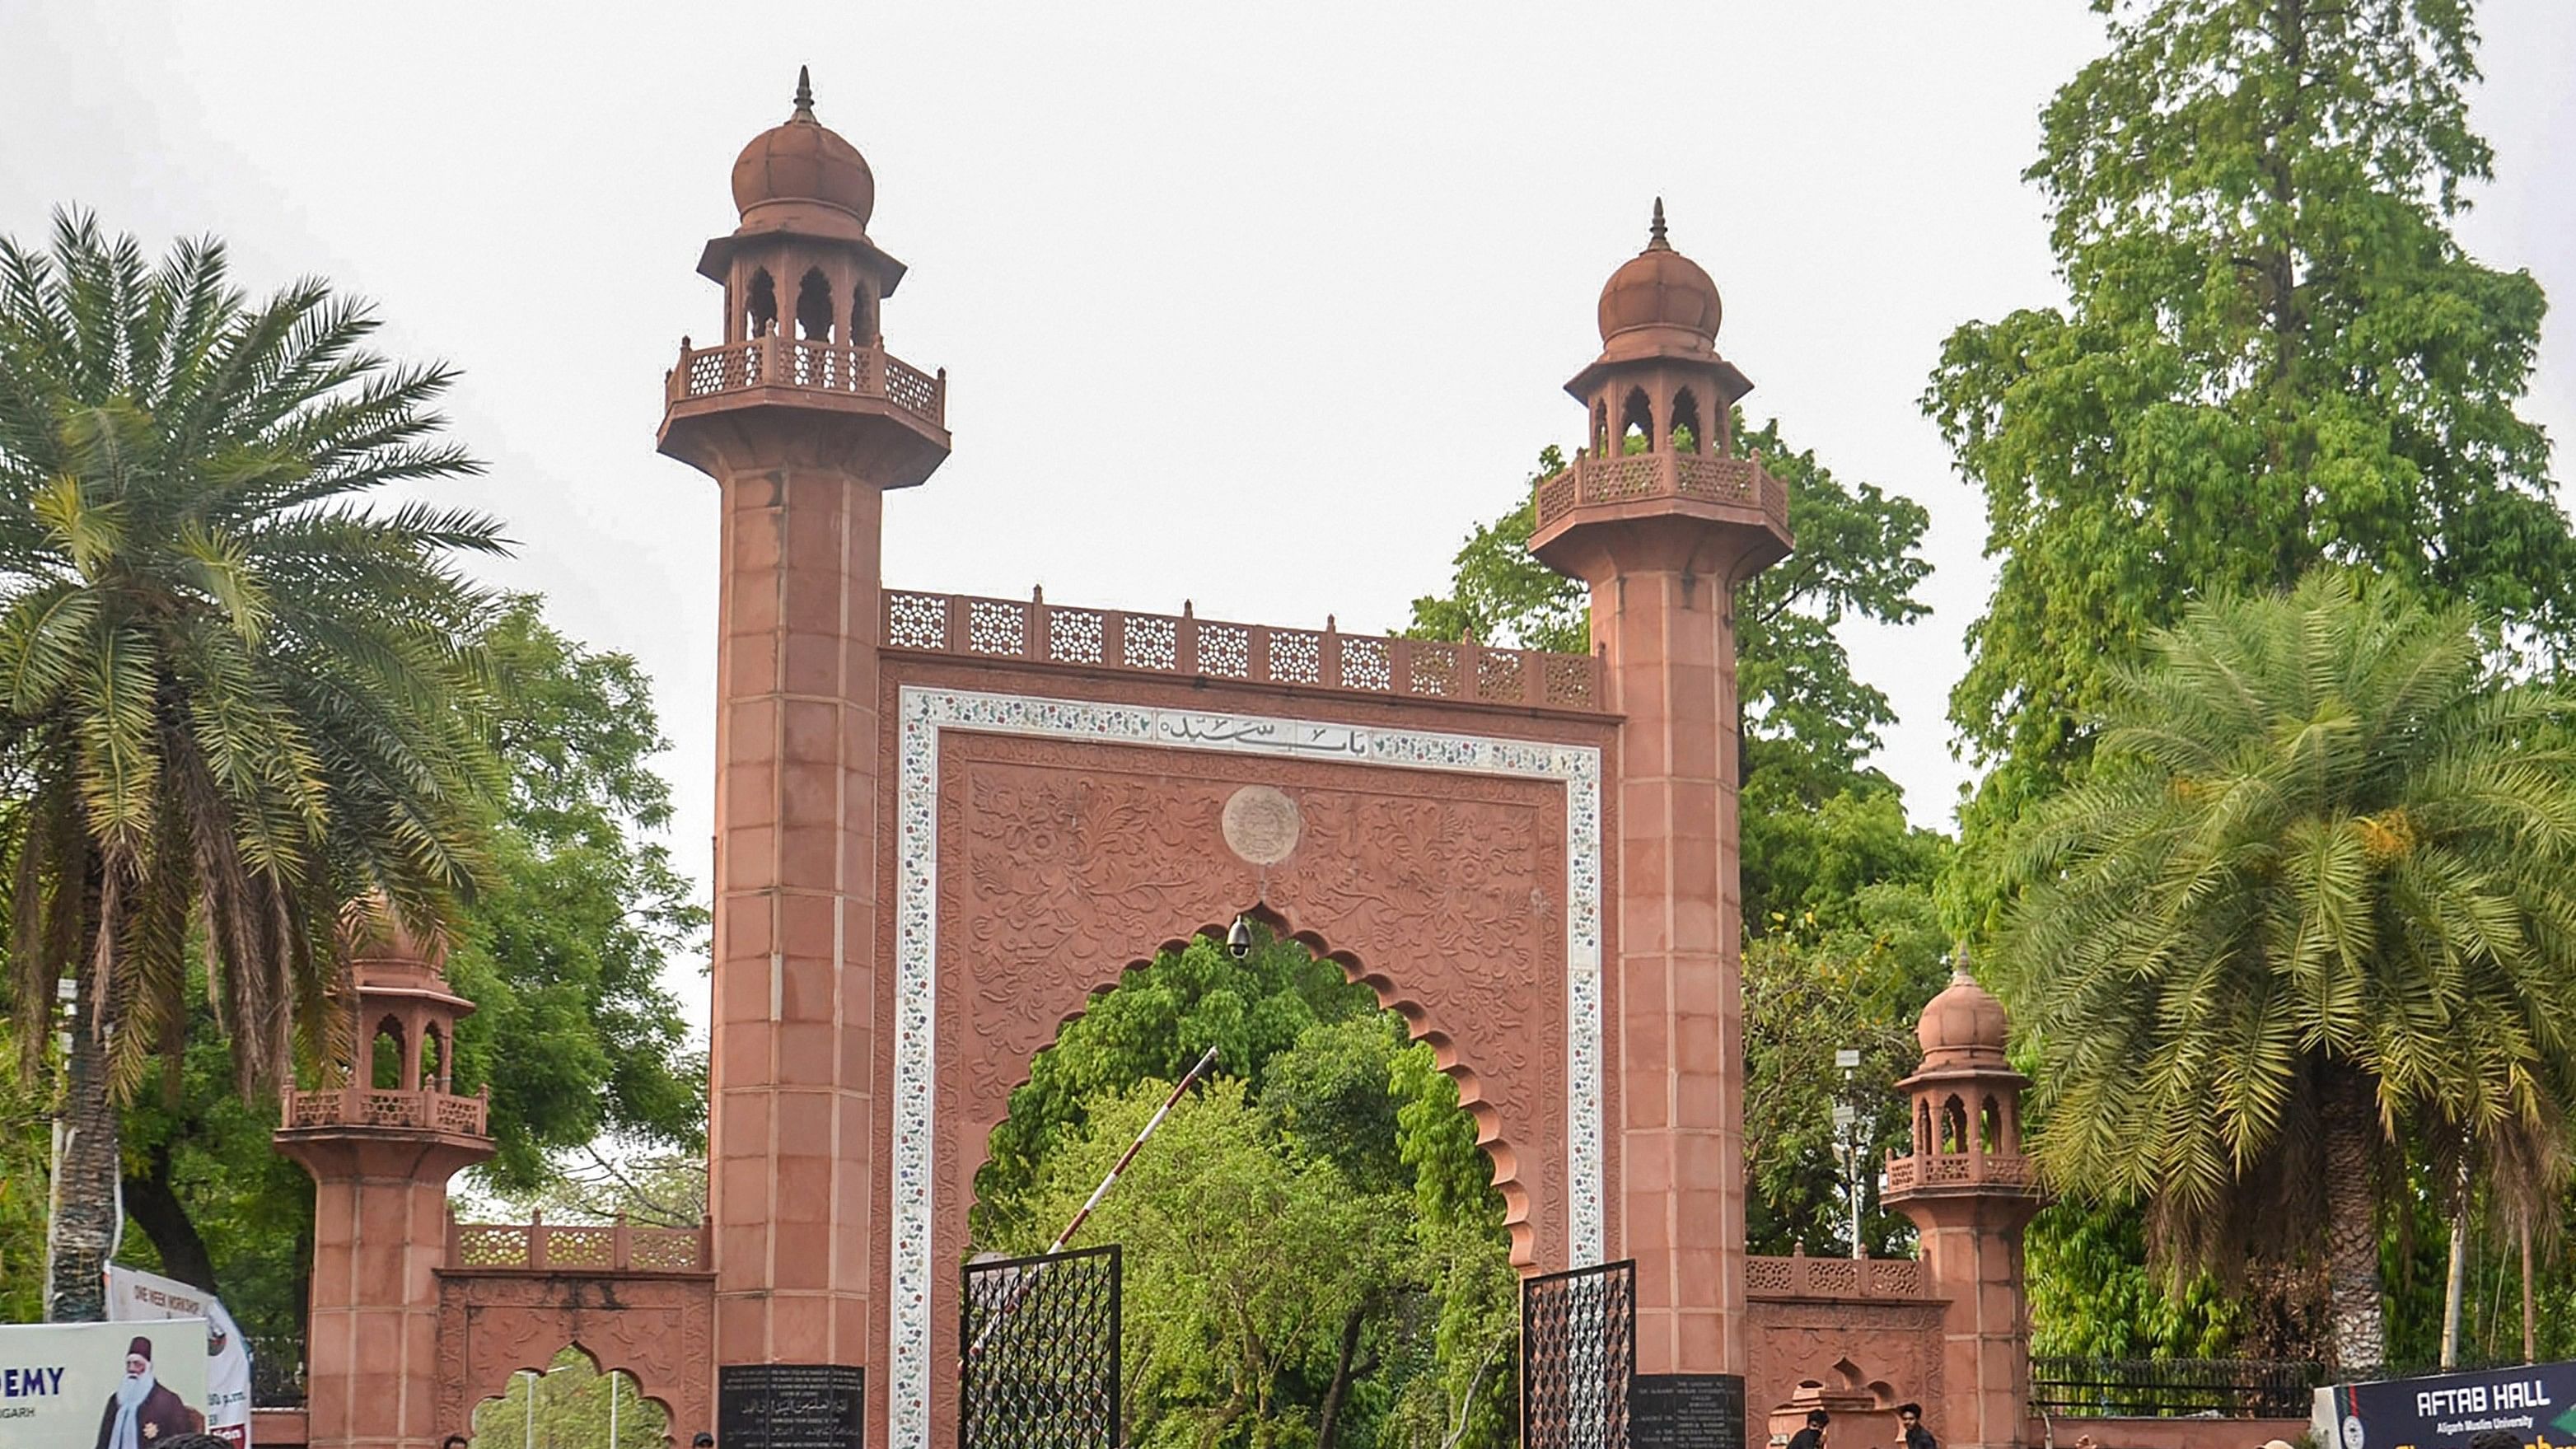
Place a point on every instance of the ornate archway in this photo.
(1458, 872)
(657, 1330)
(537, 1387)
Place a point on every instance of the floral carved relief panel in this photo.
(1065, 863)
(1897, 1344)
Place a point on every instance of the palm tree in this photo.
(2313, 909)
(233, 701)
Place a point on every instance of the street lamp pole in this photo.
(1847, 1144)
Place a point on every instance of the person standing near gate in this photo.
(1812, 1436)
(1909, 1419)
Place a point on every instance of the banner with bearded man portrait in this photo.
(142, 1411)
(101, 1385)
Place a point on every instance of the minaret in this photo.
(1663, 523)
(1970, 1192)
(804, 420)
(381, 1148)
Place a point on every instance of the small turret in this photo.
(800, 375)
(1970, 1191)
(381, 1145)
(1659, 444)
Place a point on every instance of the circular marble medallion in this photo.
(1261, 825)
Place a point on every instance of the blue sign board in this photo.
(2536, 1403)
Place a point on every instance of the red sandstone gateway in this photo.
(942, 823)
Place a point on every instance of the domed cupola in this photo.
(1659, 302)
(1964, 1026)
(1966, 1096)
(797, 174)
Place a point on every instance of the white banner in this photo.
(134, 1296)
(101, 1385)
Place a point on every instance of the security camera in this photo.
(1238, 939)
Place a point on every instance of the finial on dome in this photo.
(1959, 964)
(804, 93)
(1655, 233)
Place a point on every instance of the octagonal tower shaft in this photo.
(1662, 536)
(804, 421)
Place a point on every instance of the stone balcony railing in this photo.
(1799, 1276)
(543, 1247)
(1186, 646)
(426, 1110)
(781, 361)
(1638, 476)
(1960, 1169)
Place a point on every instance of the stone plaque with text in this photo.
(790, 1406)
(1684, 1411)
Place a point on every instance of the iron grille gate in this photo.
(1040, 1341)
(1578, 1354)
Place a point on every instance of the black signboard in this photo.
(790, 1406)
(1686, 1411)
(2534, 1403)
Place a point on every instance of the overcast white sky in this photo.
(1258, 306)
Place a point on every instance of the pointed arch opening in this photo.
(1687, 436)
(433, 1059)
(814, 307)
(1954, 1126)
(385, 1058)
(1636, 422)
(570, 1402)
(760, 305)
(1990, 1127)
(1338, 1139)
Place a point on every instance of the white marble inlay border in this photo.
(927, 712)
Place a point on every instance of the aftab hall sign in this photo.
(2533, 1403)
(101, 1385)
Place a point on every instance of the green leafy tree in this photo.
(1810, 992)
(596, 1106)
(1464, 1390)
(1407, 1341)
(232, 699)
(2274, 354)
(564, 950)
(1330, 1095)
(2093, 1295)
(25, 1142)
(2313, 904)
(569, 1406)
(1153, 1027)
(1245, 1257)
(1809, 724)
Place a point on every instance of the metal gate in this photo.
(1578, 1356)
(1039, 1337)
